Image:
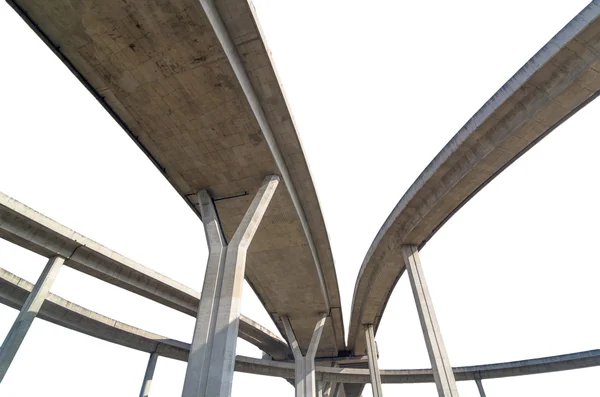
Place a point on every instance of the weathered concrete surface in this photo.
(212, 358)
(553, 85)
(440, 363)
(373, 361)
(305, 383)
(29, 229)
(28, 313)
(14, 291)
(160, 71)
(149, 375)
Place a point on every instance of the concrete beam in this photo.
(442, 370)
(149, 374)
(28, 312)
(36, 232)
(242, 75)
(13, 293)
(212, 358)
(373, 357)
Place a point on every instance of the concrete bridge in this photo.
(193, 85)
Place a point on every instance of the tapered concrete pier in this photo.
(212, 355)
(28, 312)
(442, 370)
(305, 382)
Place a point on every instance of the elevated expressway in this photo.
(558, 81)
(14, 291)
(31, 230)
(193, 85)
(196, 91)
(562, 78)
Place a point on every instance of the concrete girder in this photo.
(36, 232)
(558, 81)
(242, 75)
(212, 357)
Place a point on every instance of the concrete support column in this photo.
(479, 385)
(442, 370)
(145, 392)
(330, 389)
(28, 312)
(212, 354)
(373, 365)
(306, 385)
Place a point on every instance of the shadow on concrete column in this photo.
(212, 355)
(373, 365)
(28, 312)
(305, 382)
(442, 370)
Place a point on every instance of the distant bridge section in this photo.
(30, 229)
(558, 81)
(14, 291)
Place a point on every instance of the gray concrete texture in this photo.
(212, 358)
(373, 361)
(440, 364)
(14, 292)
(27, 314)
(552, 86)
(149, 375)
(29, 229)
(161, 71)
(305, 383)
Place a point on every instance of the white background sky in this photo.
(377, 88)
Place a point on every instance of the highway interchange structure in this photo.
(192, 83)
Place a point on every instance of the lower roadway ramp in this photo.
(14, 291)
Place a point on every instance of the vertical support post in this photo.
(145, 392)
(28, 312)
(212, 355)
(373, 365)
(305, 381)
(479, 385)
(442, 370)
(330, 389)
(320, 388)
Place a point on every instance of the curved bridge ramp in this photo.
(207, 122)
(14, 291)
(558, 81)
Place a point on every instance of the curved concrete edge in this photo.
(308, 208)
(534, 366)
(334, 293)
(14, 291)
(419, 201)
(36, 232)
